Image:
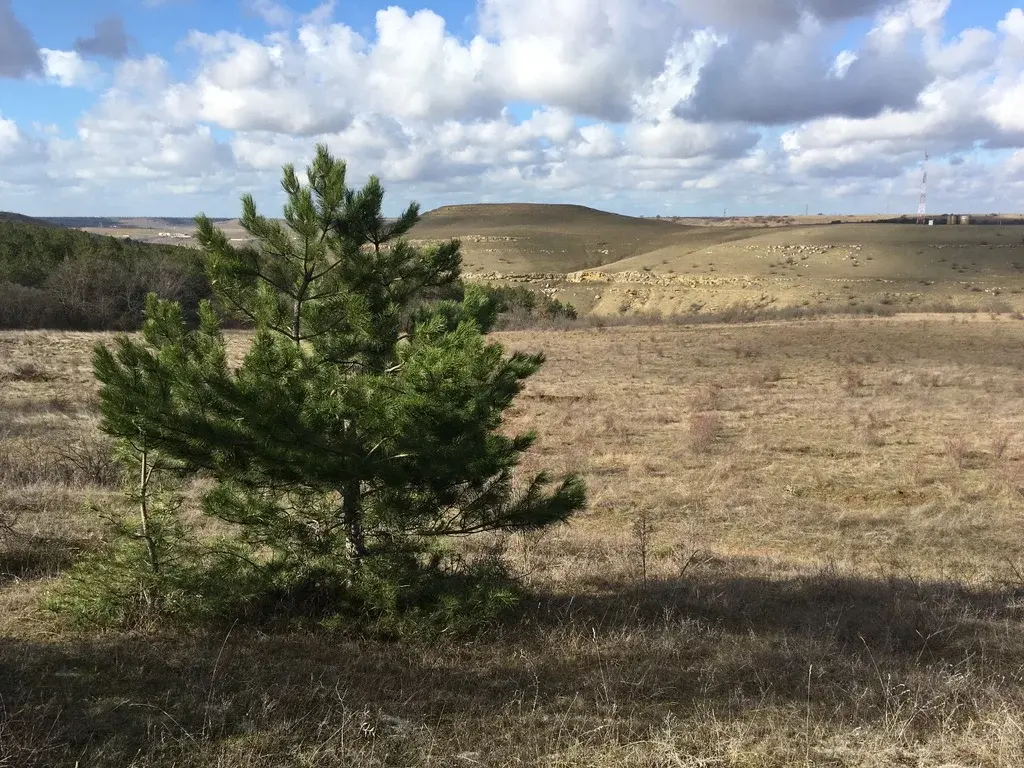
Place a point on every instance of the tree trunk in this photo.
(351, 506)
(297, 320)
(144, 475)
(300, 297)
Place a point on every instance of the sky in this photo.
(644, 107)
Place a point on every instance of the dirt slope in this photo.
(845, 251)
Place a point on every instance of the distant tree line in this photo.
(51, 277)
(57, 278)
(104, 221)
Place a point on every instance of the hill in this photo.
(20, 218)
(124, 222)
(608, 263)
(900, 266)
(842, 251)
(528, 237)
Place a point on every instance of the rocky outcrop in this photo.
(642, 277)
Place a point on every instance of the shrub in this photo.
(705, 430)
(767, 375)
(101, 292)
(151, 564)
(708, 398)
(519, 307)
(851, 381)
(959, 451)
(401, 597)
(27, 308)
(87, 459)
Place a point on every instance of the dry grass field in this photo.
(804, 547)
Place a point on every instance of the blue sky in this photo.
(148, 107)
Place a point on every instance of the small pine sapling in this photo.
(364, 422)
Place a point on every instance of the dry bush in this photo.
(9, 517)
(874, 426)
(37, 536)
(705, 431)
(747, 351)
(75, 460)
(768, 375)
(96, 293)
(87, 459)
(26, 370)
(708, 398)
(851, 380)
(612, 425)
(531, 547)
(22, 464)
(1000, 444)
(740, 314)
(959, 451)
(27, 557)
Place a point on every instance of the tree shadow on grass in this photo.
(897, 617)
(26, 557)
(837, 647)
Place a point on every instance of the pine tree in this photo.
(365, 419)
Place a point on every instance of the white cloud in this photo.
(273, 14)
(1007, 108)
(676, 82)
(589, 56)
(973, 49)
(1015, 165)
(675, 138)
(597, 141)
(767, 17)
(792, 78)
(973, 101)
(10, 137)
(142, 130)
(22, 157)
(844, 60)
(1013, 24)
(320, 15)
(635, 102)
(417, 70)
(69, 69)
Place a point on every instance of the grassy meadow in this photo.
(804, 547)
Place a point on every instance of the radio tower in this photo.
(922, 205)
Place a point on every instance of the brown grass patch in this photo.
(834, 581)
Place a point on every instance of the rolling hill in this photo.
(608, 263)
(526, 237)
(845, 251)
(20, 218)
